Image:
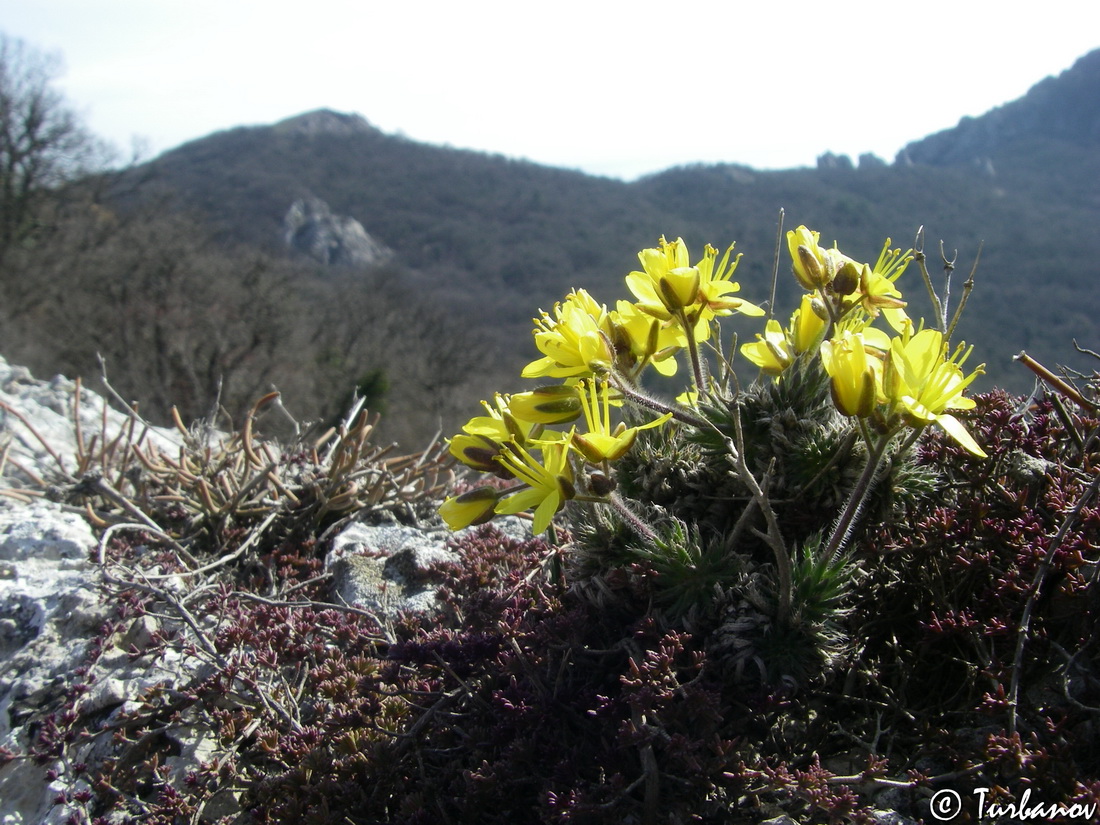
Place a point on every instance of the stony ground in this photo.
(60, 632)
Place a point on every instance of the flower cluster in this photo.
(887, 379)
(909, 379)
(512, 442)
(600, 353)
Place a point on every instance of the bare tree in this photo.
(43, 145)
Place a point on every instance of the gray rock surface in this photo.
(51, 608)
(52, 601)
(389, 568)
(48, 407)
(310, 227)
(326, 122)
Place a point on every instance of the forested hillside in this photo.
(184, 263)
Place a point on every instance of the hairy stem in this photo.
(858, 498)
(693, 354)
(633, 519)
(641, 399)
(774, 537)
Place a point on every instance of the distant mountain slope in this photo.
(1044, 146)
(495, 239)
(1057, 109)
(459, 215)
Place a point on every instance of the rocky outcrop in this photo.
(311, 228)
(51, 608)
(38, 426)
(325, 122)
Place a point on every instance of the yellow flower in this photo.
(853, 374)
(483, 437)
(667, 283)
(476, 451)
(814, 266)
(468, 509)
(877, 291)
(555, 404)
(574, 342)
(919, 378)
(550, 482)
(806, 326)
(648, 338)
(601, 443)
(773, 352)
(716, 289)
(777, 348)
(694, 295)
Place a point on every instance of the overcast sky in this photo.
(612, 88)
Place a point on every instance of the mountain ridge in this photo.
(1050, 110)
(502, 237)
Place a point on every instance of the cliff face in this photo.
(1064, 109)
(310, 227)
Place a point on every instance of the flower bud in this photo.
(852, 374)
(848, 278)
(468, 509)
(806, 257)
(856, 398)
(807, 325)
(478, 452)
(808, 269)
(554, 404)
(680, 287)
(600, 484)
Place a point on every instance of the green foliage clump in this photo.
(737, 496)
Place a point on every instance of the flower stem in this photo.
(858, 498)
(632, 518)
(636, 396)
(693, 351)
(774, 536)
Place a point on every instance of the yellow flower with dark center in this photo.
(853, 373)
(575, 341)
(483, 437)
(549, 482)
(601, 442)
(921, 381)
